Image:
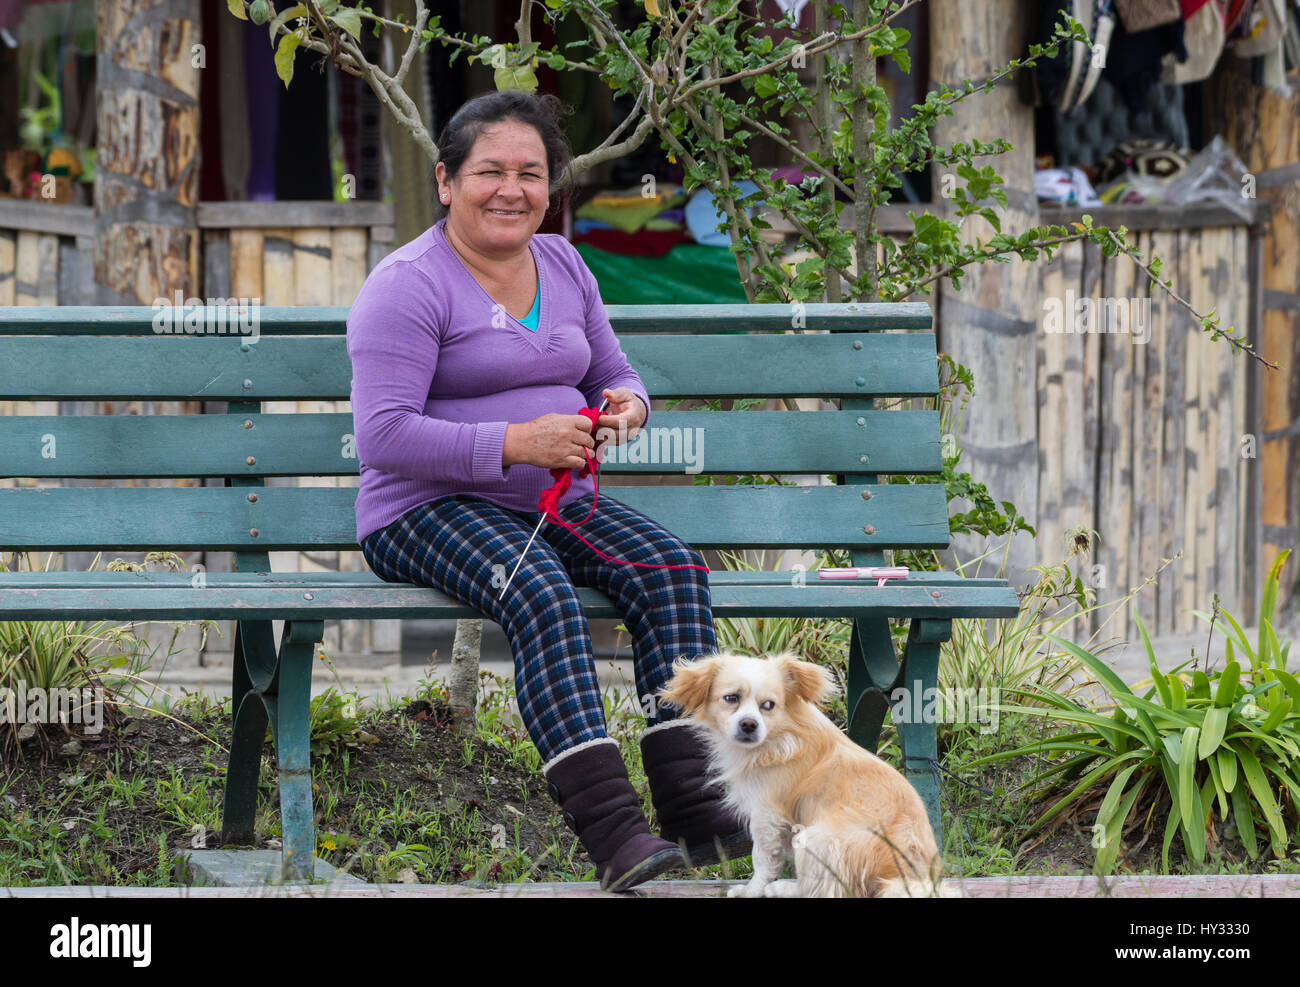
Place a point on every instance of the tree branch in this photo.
(810, 162)
(421, 18)
(1133, 254)
(818, 45)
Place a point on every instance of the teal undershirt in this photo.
(534, 315)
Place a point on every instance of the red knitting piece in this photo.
(549, 502)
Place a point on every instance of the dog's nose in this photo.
(748, 725)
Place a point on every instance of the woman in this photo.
(472, 349)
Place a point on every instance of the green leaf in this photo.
(282, 18)
(993, 218)
(1112, 816)
(1290, 682)
(1269, 646)
(1276, 717)
(1263, 792)
(1177, 693)
(1171, 827)
(1227, 761)
(1245, 820)
(1189, 796)
(493, 55)
(1157, 676)
(1226, 694)
(765, 87)
(1200, 685)
(236, 7)
(349, 19)
(1219, 790)
(1268, 599)
(519, 77)
(284, 57)
(1216, 720)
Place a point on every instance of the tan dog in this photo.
(853, 824)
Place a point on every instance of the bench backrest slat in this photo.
(312, 320)
(680, 442)
(139, 518)
(211, 368)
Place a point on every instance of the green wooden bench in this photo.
(680, 352)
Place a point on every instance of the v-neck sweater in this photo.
(439, 370)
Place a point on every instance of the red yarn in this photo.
(549, 502)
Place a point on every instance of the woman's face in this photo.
(499, 198)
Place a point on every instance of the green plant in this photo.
(40, 122)
(1267, 651)
(1228, 737)
(335, 721)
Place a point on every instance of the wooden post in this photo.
(992, 325)
(146, 169)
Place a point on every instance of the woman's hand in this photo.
(552, 441)
(623, 418)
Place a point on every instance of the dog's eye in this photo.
(768, 706)
(731, 697)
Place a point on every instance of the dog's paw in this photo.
(782, 889)
(750, 889)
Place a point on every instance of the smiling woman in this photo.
(473, 347)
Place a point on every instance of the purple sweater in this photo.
(439, 370)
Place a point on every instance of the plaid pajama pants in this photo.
(467, 547)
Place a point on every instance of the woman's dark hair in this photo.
(543, 113)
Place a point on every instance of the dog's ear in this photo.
(689, 688)
(811, 683)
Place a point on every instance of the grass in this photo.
(417, 802)
(423, 804)
(400, 796)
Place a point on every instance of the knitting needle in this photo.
(540, 521)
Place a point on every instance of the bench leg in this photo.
(255, 666)
(276, 690)
(873, 670)
(290, 713)
(918, 728)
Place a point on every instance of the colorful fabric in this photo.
(439, 370)
(629, 209)
(456, 544)
(688, 274)
(646, 243)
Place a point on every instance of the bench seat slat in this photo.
(332, 319)
(223, 369)
(287, 518)
(309, 581)
(129, 446)
(413, 602)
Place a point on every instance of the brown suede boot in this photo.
(689, 804)
(590, 784)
